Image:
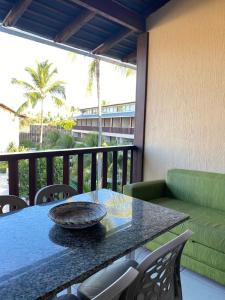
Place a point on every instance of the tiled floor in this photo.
(194, 286)
(197, 287)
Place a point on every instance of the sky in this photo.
(18, 53)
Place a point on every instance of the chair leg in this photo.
(69, 290)
(131, 255)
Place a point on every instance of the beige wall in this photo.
(186, 88)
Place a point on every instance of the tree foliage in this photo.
(67, 124)
(42, 86)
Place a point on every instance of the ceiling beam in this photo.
(16, 12)
(74, 26)
(115, 12)
(112, 41)
(130, 58)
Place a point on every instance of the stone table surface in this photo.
(39, 258)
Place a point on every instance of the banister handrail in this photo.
(61, 152)
(13, 160)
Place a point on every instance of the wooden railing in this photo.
(125, 153)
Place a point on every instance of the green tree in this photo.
(41, 88)
(94, 75)
(66, 124)
(126, 72)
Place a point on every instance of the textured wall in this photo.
(186, 88)
(9, 129)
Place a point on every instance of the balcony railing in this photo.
(117, 165)
(121, 130)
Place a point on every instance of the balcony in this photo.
(119, 130)
(117, 166)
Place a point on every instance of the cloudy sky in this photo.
(18, 53)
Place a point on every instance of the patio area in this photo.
(170, 181)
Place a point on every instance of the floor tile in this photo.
(197, 287)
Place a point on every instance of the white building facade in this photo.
(9, 127)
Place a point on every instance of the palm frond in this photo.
(126, 72)
(91, 75)
(35, 76)
(58, 102)
(32, 100)
(51, 74)
(57, 88)
(23, 107)
(24, 84)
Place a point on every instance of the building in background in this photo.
(9, 127)
(117, 122)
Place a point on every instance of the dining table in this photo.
(40, 259)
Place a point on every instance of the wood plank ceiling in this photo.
(103, 27)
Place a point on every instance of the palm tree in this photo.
(41, 87)
(94, 74)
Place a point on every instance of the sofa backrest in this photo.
(203, 188)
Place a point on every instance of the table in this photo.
(38, 258)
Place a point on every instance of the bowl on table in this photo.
(77, 215)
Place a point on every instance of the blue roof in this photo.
(127, 114)
(46, 18)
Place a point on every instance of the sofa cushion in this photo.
(206, 255)
(197, 266)
(202, 188)
(207, 224)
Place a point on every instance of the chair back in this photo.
(159, 272)
(114, 291)
(54, 192)
(10, 203)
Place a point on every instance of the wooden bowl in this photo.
(77, 215)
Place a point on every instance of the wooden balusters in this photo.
(104, 169)
(131, 165)
(66, 169)
(115, 171)
(49, 170)
(93, 171)
(13, 177)
(32, 179)
(80, 174)
(13, 160)
(124, 173)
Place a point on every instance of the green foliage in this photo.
(41, 174)
(65, 142)
(42, 85)
(90, 140)
(3, 166)
(92, 74)
(57, 140)
(66, 124)
(52, 139)
(13, 148)
(27, 144)
(126, 72)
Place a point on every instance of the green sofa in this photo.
(202, 196)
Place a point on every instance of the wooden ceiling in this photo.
(102, 27)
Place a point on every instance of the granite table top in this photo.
(39, 258)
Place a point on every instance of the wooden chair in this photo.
(113, 291)
(13, 203)
(54, 192)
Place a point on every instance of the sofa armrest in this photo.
(147, 191)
